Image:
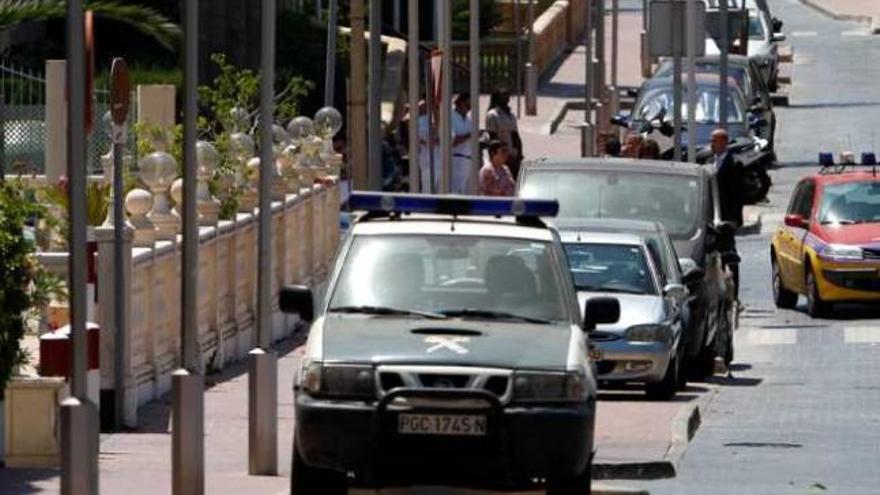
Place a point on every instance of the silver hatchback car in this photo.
(645, 344)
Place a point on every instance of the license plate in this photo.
(441, 424)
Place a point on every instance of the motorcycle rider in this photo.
(729, 175)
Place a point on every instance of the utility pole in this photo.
(692, 78)
(330, 60)
(476, 154)
(413, 87)
(445, 16)
(724, 48)
(357, 121)
(375, 98)
(587, 131)
(188, 384)
(79, 416)
(263, 364)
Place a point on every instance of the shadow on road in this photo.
(25, 481)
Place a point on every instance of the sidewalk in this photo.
(866, 11)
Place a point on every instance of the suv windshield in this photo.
(451, 276)
(708, 109)
(672, 200)
(855, 202)
(609, 268)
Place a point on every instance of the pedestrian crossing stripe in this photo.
(804, 34)
(787, 336)
(862, 335)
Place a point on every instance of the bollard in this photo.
(588, 140)
(531, 89)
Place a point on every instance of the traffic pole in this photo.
(692, 79)
(263, 364)
(187, 383)
(446, 81)
(724, 47)
(375, 95)
(413, 88)
(79, 415)
(676, 85)
(330, 59)
(587, 132)
(476, 154)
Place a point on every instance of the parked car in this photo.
(764, 38)
(746, 73)
(672, 269)
(645, 345)
(828, 247)
(450, 350)
(681, 196)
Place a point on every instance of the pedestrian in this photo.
(650, 150)
(501, 125)
(461, 149)
(729, 176)
(429, 152)
(633, 146)
(495, 176)
(612, 147)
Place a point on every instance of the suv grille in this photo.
(495, 381)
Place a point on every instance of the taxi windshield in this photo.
(467, 276)
(672, 200)
(851, 203)
(609, 268)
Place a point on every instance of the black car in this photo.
(683, 197)
(450, 350)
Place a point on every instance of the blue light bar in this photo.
(869, 158)
(452, 205)
(826, 159)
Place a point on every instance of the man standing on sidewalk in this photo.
(461, 151)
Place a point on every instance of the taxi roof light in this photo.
(452, 205)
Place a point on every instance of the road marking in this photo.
(861, 335)
(859, 32)
(804, 34)
(787, 336)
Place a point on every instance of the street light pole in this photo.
(476, 155)
(263, 365)
(413, 88)
(188, 384)
(79, 416)
(330, 60)
(375, 104)
(446, 81)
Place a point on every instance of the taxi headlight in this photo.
(537, 387)
(841, 252)
(338, 380)
(649, 333)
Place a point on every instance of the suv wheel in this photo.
(308, 480)
(665, 389)
(783, 297)
(572, 485)
(816, 307)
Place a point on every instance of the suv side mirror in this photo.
(691, 272)
(297, 299)
(796, 221)
(777, 38)
(621, 119)
(599, 310)
(675, 291)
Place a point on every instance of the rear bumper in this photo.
(523, 442)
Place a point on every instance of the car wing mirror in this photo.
(796, 221)
(600, 310)
(778, 38)
(297, 299)
(675, 291)
(691, 272)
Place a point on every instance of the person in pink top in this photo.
(495, 176)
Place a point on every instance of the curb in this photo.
(684, 427)
(827, 11)
(600, 489)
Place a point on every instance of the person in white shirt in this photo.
(428, 146)
(461, 148)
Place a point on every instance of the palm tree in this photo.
(144, 19)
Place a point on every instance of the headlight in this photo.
(338, 380)
(841, 252)
(539, 387)
(649, 333)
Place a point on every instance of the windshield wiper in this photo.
(386, 311)
(491, 315)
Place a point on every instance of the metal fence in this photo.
(23, 128)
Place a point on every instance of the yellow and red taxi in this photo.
(829, 245)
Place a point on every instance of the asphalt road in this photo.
(801, 414)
